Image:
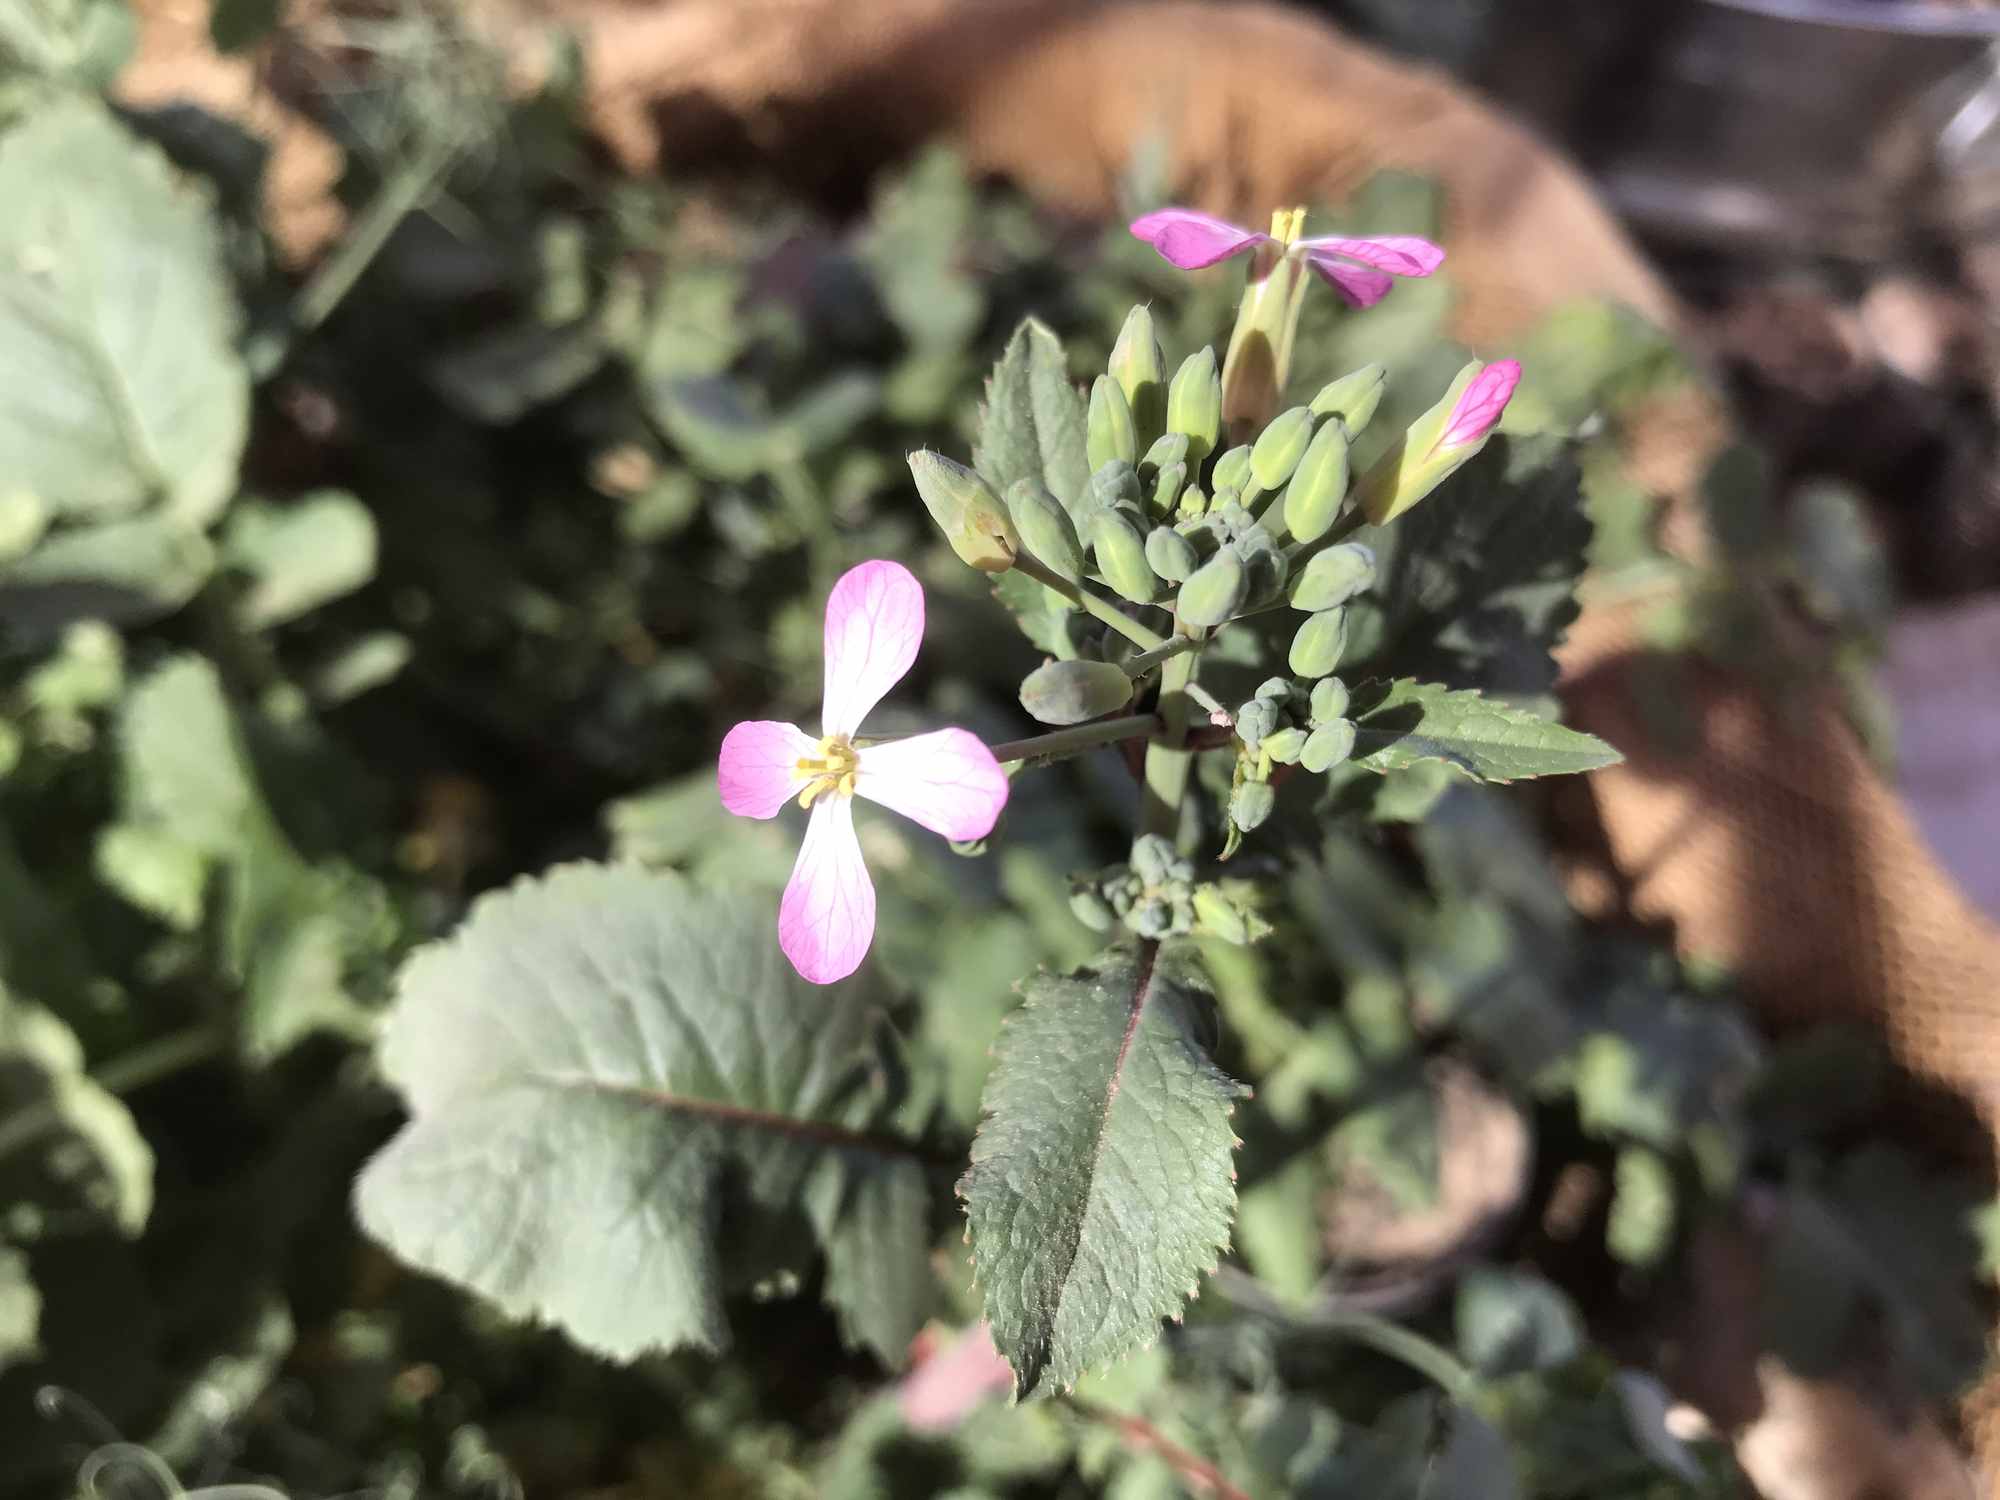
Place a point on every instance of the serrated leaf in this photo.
(1101, 1185)
(607, 1070)
(123, 387)
(1400, 723)
(1032, 426)
(66, 1143)
(1477, 585)
(299, 555)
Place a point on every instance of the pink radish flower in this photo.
(1362, 269)
(1481, 404)
(946, 780)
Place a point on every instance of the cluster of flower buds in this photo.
(1286, 724)
(1156, 896)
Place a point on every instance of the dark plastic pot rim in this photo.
(1907, 17)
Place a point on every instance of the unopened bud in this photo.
(1231, 471)
(1115, 485)
(1251, 803)
(1280, 446)
(1167, 485)
(1092, 909)
(1317, 647)
(1045, 528)
(1070, 692)
(1256, 719)
(1352, 398)
(1109, 432)
(1327, 746)
(1194, 404)
(1121, 556)
(1217, 915)
(1140, 370)
(1284, 746)
(1332, 577)
(966, 510)
(1319, 484)
(1170, 554)
(1329, 701)
(1215, 591)
(1440, 442)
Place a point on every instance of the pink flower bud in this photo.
(1479, 408)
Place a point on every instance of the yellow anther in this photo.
(1287, 224)
(833, 770)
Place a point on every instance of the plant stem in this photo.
(1143, 663)
(1201, 1476)
(124, 1074)
(1401, 1345)
(1168, 758)
(397, 197)
(1061, 744)
(1340, 531)
(1083, 598)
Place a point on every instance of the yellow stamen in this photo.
(833, 770)
(1287, 224)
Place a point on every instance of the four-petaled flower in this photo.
(946, 780)
(1362, 269)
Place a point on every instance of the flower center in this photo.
(832, 771)
(1287, 224)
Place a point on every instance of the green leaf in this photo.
(238, 25)
(124, 572)
(878, 1274)
(82, 44)
(67, 1145)
(1101, 1186)
(1400, 723)
(299, 555)
(1032, 426)
(123, 388)
(612, 1076)
(1477, 585)
(1643, 1208)
(1510, 1321)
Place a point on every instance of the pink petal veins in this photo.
(1481, 405)
(1398, 254)
(757, 772)
(827, 918)
(1193, 240)
(874, 624)
(1360, 286)
(946, 780)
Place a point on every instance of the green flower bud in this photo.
(1115, 485)
(1256, 719)
(966, 510)
(1215, 591)
(1070, 692)
(1439, 443)
(1121, 556)
(1265, 564)
(1251, 803)
(1169, 448)
(1193, 502)
(1109, 433)
(1276, 690)
(1092, 909)
(1045, 528)
(1167, 489)
(1226, 505)
(1218, 916)
(1284, 746)
(1329, 701)
(1194, 404)
(1317, 647)
(1152, 859)
(1319, 484)
(1280, 447)
(1327, 746)
(1330, 578)
(1352, 398)
(1140, 370)
(1170, 554)
(1231, 471)
(1153, 919)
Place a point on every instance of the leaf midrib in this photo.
(816, 1132)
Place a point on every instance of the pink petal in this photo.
(1481, 405)
(1191, 240)
(946, 780)
(757, 772)
(1398, 254)
(827, 918)
(874, 624)
(1362, 288)
(943, 1390)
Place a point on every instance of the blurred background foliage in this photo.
(329, 605)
